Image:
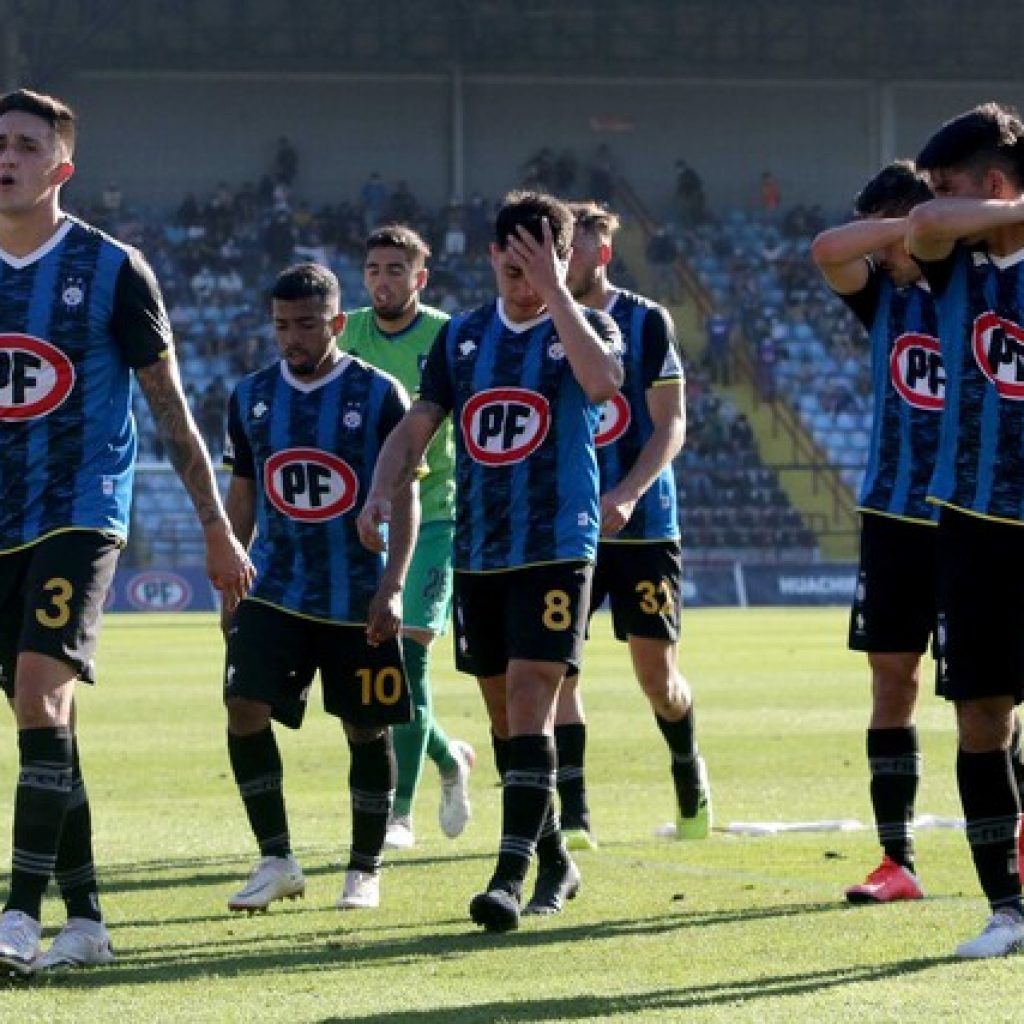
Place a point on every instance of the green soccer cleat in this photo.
(698, 824)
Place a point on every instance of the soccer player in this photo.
(893, 615)
(304, 433)
(80, 312)
(395, 333)
(523, 378)
(969, 241)
(639, 557)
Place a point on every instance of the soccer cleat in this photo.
(19, 942)
(578, 839)
(1004, 933)
(80, 943)
(497, 910)
(554, 887)
(455, 810)
(698, 824)
(274, 878)
(399, 835)
(888, 883)
(361, 891)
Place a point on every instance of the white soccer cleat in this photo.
(19, 942)
(399, 835)
(80, 943)
(274, 878)
(455, 810)
(1004, 933)
(361, 891)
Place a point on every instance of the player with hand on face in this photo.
(304, 434)
(522, 378)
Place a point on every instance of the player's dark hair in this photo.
(990, 135)
(893, 192)
(595, 219)
(305, 281)
(57, 114)
(399, 236)
(529, 209)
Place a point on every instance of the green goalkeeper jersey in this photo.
(403, 355)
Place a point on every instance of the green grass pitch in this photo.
(739, 928)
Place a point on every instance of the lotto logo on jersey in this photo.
(615, 418)
(915, 368)
(159, 591)
(999, 351)
(310, 485)
(35, 377)
(503, 426)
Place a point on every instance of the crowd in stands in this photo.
(217, 254)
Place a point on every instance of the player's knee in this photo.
(246, 717)
(361, 734)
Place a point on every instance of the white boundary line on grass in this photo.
(771, 828)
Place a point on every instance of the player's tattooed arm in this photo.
(227, 563)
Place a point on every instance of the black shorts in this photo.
(51, 600)
(273, 655)
(894, 609)
(644, 586)
(980, 634)
(535, 613)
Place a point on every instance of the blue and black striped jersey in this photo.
(908, 383)
(525, 459)
(76, 317)
(980, 302)
(311, 449)
(650, 360)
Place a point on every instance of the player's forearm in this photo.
(937, 224)
(661, 448)
(181, 440)
(240, 508)
(594, 365)
(402, 533)
(854, 241)
(401, 455)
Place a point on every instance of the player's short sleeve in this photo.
(938, 272)
(392, 409)
(139, 321)
(436, 381)
(661, 362)
(606, 329)
(864, 302)
(237, 450)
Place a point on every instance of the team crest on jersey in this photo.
(555, 350)
(352, 418)
(915, 368)
(503, 426)
(999, 350)
(35, 377)
(72, 294)
(615, 420)
(310, 485)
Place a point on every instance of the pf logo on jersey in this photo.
(35, 377)
(999, 350)
(615, 420)
(915, 368)
(503, 426)
(309, 485)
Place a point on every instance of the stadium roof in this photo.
(45, 41)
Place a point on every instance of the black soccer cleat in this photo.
(554, 887)
(497, 910)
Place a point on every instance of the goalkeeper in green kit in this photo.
(395, 333)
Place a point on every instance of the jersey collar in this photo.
(309, 386)
(20, 262)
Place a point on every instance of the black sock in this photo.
(371, 781)
(991, 809)
(75, 871)
(525, 801)
(256, 762)
(40, 802)
(685, 774)
(1016, 761)
(894, 760)
(571, 745)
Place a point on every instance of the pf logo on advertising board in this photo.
(35, 377)
(159, 591)
(503, 426)
(915, 368)
(614, 422)
(999, 351)
(310, 485)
